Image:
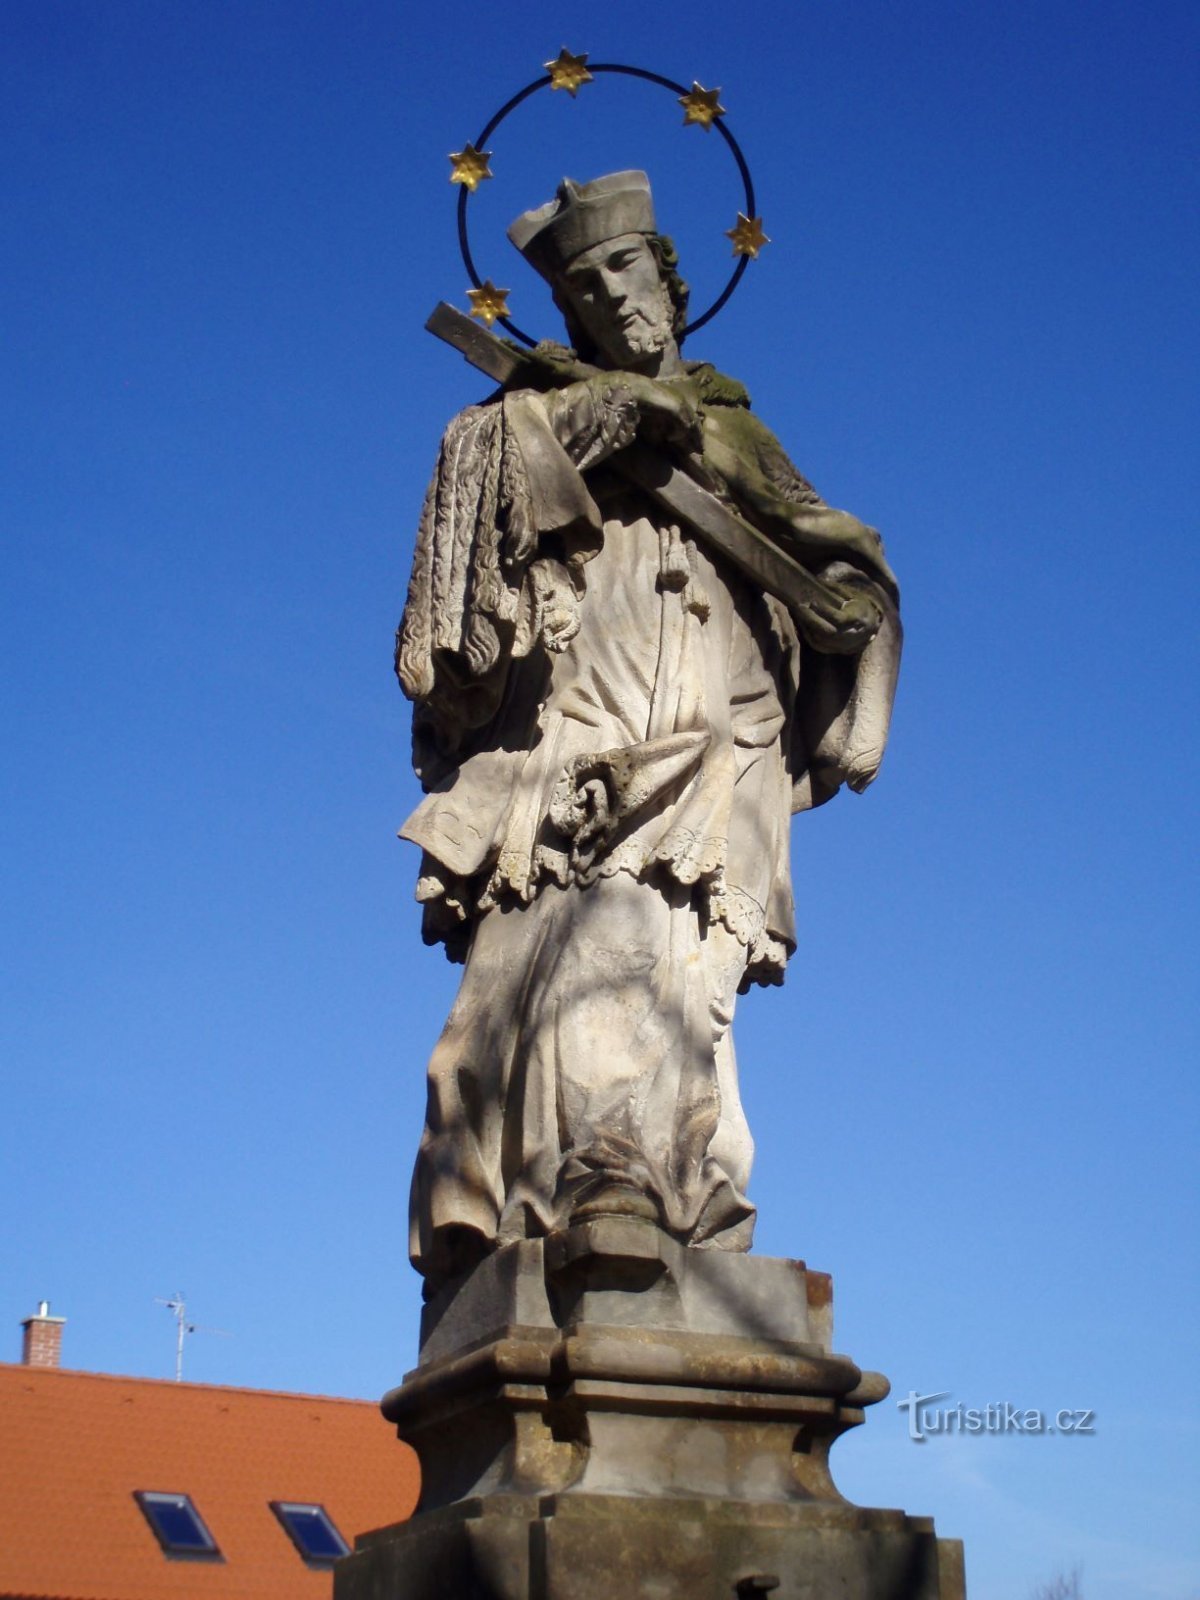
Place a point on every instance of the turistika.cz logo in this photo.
(926, 1418)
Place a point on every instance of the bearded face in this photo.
(618, 296)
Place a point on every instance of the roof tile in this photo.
(75, 1445)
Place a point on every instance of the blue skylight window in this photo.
(177, 1525)
(311, 1530)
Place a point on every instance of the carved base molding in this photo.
(617, 1547)
(605, 1413)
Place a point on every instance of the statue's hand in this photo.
(665, 415)
(868, 543)
(600, 415)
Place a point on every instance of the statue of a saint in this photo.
(613, 724)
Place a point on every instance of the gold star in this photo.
(488, 302)
(702, 106)
(748, 236)
(568, 72)
(470, 166)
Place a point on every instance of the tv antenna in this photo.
(177, 1306)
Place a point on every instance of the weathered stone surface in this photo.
(599, 1547)
(609, 1358)
(679, 1448)
(566, 1457)
(626, 1272)
(619, 1411)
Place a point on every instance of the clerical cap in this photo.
(582, 215)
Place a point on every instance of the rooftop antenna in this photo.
(177, 1306)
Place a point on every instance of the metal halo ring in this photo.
(630, 72)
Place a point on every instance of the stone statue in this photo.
(613, 724)
(636, 640)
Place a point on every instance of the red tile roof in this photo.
(75, 1445)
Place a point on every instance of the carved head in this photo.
(612, 274)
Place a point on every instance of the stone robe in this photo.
(614, 727)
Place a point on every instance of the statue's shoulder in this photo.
(717, 388)
(546, 366)
(750, 450)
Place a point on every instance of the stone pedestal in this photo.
(606, 1413)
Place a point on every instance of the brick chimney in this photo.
(42, 1344)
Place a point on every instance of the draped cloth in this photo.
(613, 727)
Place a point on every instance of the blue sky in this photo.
(975, 327)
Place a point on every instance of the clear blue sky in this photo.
(224, 224)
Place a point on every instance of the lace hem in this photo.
(688, 858)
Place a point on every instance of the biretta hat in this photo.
(582, 215)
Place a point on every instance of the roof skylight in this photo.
(177, 1525)
(311, 1530)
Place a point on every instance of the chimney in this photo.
(42, 1344)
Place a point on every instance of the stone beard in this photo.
(613, 725)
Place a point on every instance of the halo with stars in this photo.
(702, 108)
